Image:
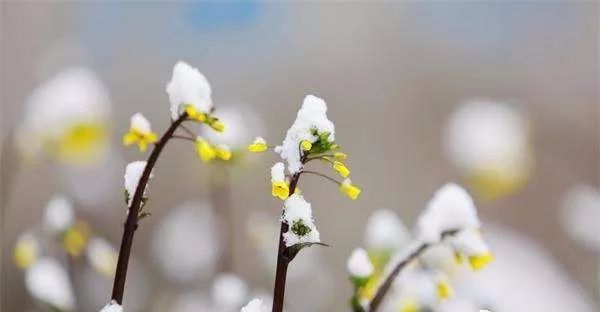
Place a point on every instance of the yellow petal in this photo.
(217, 125)
(25, 253)
(280, 190)
(306, 145)
(350, 190)
(205, 150)
(340, 156)
(223, 152)
(257, 147)
(341, 169)
(130, 138)
(479, 262)
(444, 291)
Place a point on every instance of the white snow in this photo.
(229, 291)
(59, 214)
(188, 86)
(133, 173)
(277, 172)
(296, 209)
(255, 305)
(359, 265)
(140, 123)
(48, 281)
(112, 306)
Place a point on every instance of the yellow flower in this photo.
(206, 151)
(75, 239)
(81, 143)
(26, 252)
(194, 114)
(217, 125)
(349, 189)
(341, 169)
(223, 152)
(479, 262)
(258, 146)
(340, 156)
(140, 133)
(280, 189)
(306, 145)
(444, 291)
(409, 305)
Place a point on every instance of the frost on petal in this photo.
(229, 291)
(385, 231)
(140, 123)
(278, 172)
(255, 305)
(133, 173)
(59, 214)
(298, 216)
(47, 281)
(450, 209)
(311, 119)
(112, 306)
(359, 265)
(188, 86)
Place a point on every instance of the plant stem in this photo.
(282, 261)
(385, 287)
(131, 223)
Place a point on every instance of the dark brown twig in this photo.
(385, 287)
(282, 260)
(131, 222)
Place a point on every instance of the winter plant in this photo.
(310, 138)
(190, 98)
(450, 219)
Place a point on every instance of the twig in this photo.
(385, 287)
(322, 175)
(131, 222)
(282, 261)
(183, 137)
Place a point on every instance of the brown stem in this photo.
(282, 261)
(385, 287)
(131, 223)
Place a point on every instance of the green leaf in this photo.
(290, 252)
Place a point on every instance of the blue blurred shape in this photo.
(222, 14)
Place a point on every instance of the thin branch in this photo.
(187, 130)
(322, 175)
(183, 137)
(131, 223)
(385, 287)
(282, 261)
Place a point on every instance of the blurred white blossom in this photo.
(47, 281)
(184, 244)
(68, 117)
(59, 215)
(489, 142)
(385, 231)
(229, 292)
(580, 215)
(102, 256)
(359, 265)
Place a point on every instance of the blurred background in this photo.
(499, 97)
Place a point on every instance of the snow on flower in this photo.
(450, 209)
(298, 215)
(451, 217)
(229, 291)
(188, 87)
(112, 306)
(310, 123)
(385, 231)
(59, 214)
(66, 115)
(47, 281)
(102, 256)
(255, 305)
(279, 187)
(489, 141)
(359, 265)
(258, 146)
(133, 173)
(140, 132)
